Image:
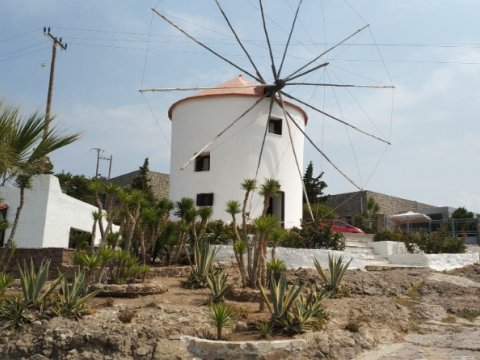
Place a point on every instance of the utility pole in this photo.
(98, 150)
(109, 159)
(55, 41)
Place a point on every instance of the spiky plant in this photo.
(33, 282)
(71, 300)
(276, 268)
(221, 315)
(264, 328)
(218, 286)
(337, 269)
(281, 299)
(13, 313)
(203, 257)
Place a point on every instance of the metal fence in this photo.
(465, 228)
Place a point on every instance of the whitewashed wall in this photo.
(47, 215)
(396, 253)
(234, 156)
(298, 258)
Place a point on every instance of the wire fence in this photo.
(465, 228)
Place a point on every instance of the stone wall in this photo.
(160, 182)
(351, 205)
(61, 259)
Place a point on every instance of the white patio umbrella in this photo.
(410, 217)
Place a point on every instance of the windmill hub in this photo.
(272, 89)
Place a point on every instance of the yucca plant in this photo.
(337, 269)
(218, 286)
(5, 281)
(71, 301)
(276, 268)
(221, 315)
(33, 282)
(203, 257)
(281, 299)
(13, 313)
(90, 263)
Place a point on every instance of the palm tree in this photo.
(23, 145)
(269, 189)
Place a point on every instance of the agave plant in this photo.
(218, 286)
(13, 313)
(90, 263)
(203, 256)
(221, 314)
(33, 282)
(307, 311)
(71, 301)
(281, 299)
(337, 269)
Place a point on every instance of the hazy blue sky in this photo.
(430, 49)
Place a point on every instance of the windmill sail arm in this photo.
(335, 118)
(203, 45)
(239, 41)
(342, 85)
(198, 88)
(327, 51)
(322, 153)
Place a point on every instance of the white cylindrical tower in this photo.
(215, 176)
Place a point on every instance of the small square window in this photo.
(205, 199)
(275, 126)
(202, 162)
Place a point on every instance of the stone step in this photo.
(389, 266)
(358, 237)
(354, 243)
(359, 250)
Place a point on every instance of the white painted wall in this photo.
(298, 258)
(47, 215)
(396, 253)
(234, 156)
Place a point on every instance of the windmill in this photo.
(270, 107)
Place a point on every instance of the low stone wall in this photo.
(60, 258)
(298, 258)
(243, 350)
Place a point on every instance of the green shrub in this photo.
(318, 235)
(293, 239)
(436, 242)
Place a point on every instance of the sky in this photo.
(429, 50)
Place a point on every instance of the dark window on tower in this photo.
(202, 162)
(275, 126)
(205, 199)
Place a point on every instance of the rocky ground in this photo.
(395, 314)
